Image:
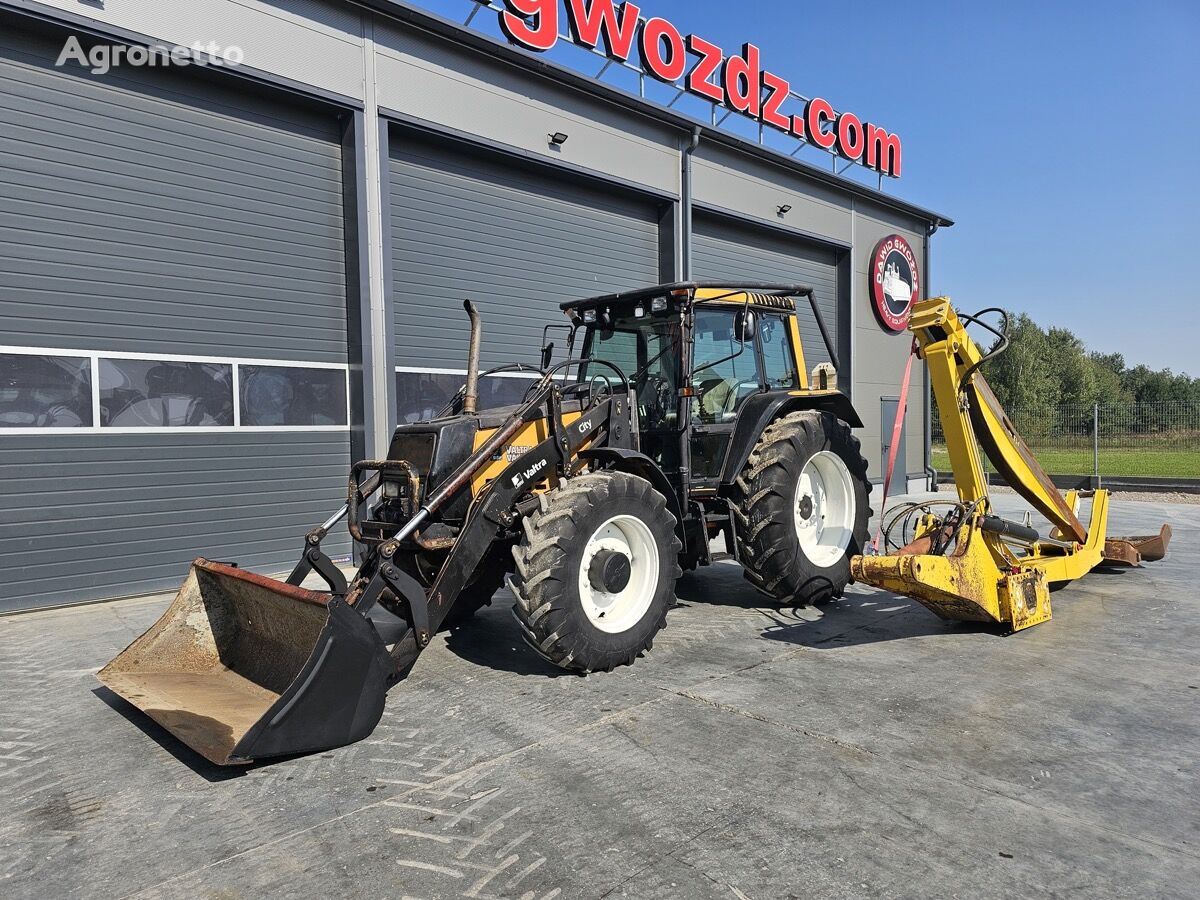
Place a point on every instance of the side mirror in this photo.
(745, 325)
(547, 355)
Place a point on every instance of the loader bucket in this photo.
(242, 667)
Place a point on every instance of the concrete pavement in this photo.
(866, 749)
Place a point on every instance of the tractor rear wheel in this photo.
(595, 571)
(801, 508)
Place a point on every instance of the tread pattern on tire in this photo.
(763, 513)
(543, 574)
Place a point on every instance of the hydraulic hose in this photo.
(999, 347)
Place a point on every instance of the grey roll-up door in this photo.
(722, 249)
(517, 241)
(164, 212)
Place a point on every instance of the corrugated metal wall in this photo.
(517, 241)
(723, 249)
(98, 516)
(146, 211)
(150, 210)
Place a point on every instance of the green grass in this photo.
(1152, 462)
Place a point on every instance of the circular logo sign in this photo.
(895, 282)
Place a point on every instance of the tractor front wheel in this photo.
(487, 579)
(595, 571)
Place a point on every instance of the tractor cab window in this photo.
(647, 350)
(779, 361)
(724, 369)
(619, 346)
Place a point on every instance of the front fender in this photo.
(635, 463)
(760, 410)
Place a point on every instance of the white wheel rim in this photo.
(824, 509)
(617, 612)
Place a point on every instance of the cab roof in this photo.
(763, 289)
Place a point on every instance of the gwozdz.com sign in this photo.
(738, 82)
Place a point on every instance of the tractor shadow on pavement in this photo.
(861, 616)
(492, 639)
(859, 619)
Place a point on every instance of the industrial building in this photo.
(222, 280)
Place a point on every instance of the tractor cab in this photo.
(698, 355)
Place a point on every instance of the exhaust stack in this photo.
(471, 399)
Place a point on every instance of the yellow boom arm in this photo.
(996, 571)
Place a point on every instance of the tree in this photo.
(1041, 371)
(1071, 368)
(1107, 368)
(1024, 382)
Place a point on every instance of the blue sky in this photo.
(1062, 137)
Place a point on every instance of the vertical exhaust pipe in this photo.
(471, 400)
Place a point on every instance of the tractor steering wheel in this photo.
(655, 396)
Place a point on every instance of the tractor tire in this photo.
(487, 579)
(595, 571)
(800, 509)
(475, 596)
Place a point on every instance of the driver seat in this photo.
(716, 399)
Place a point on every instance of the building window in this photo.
(294, 396)
(503, 390)
(142, 393)
(45, 391)
(49, 391)
(421, 396)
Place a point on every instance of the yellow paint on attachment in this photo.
(1058, 567)
(984, 579)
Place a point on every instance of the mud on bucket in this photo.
(242, 667)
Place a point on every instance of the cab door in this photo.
(725, 374)
(725, 371)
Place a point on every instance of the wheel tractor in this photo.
(682, 414)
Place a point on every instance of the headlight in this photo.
(393, 489)
(589, 316)
(658, 304)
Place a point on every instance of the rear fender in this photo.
(760, 410)
(635, 463)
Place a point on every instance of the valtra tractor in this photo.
(683, 414)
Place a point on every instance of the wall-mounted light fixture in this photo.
(784, 210)
(558, 138)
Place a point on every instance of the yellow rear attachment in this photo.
(959, 559)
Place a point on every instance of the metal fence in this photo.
(1151, 440)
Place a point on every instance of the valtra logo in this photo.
(895, 282)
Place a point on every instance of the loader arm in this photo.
(242, 667)
(967, 563)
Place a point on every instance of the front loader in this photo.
(683, 413)
(961, 560)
